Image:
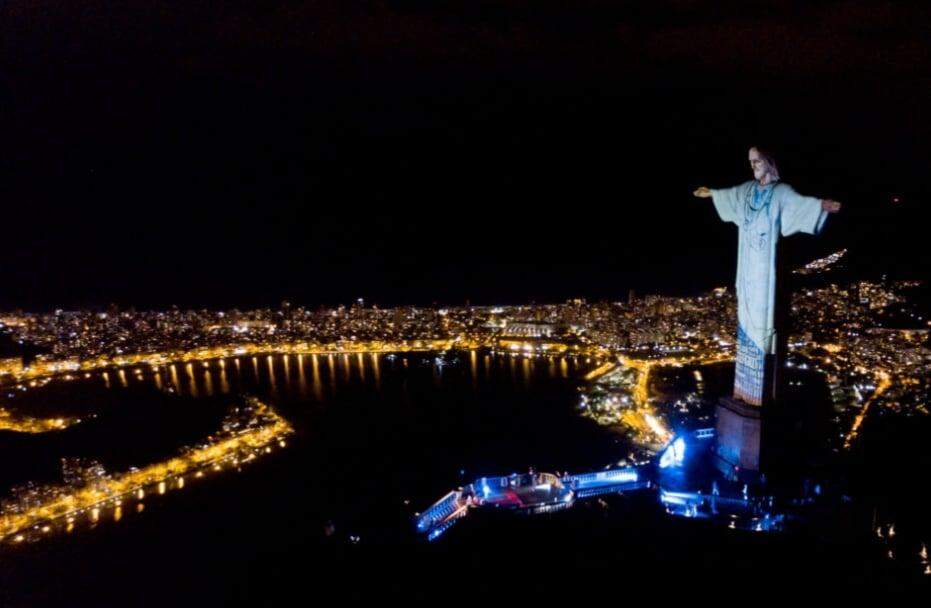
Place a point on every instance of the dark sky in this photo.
(221, 154)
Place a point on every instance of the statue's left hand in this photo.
(830, 206)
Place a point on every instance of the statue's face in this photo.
(758, 164)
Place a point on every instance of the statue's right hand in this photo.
(702, 192)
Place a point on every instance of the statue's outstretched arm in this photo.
(807, 214)
(726, 201)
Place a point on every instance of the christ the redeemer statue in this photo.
(763, 209)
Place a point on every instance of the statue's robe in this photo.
(761, 213)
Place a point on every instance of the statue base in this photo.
(737, 439)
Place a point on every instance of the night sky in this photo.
(235, 154)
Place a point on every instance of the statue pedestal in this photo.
(737, 437)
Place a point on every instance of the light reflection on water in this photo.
(321, 377)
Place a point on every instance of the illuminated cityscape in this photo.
(840, 334)
(840, 331)
(643, 366)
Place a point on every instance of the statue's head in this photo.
(763, 165)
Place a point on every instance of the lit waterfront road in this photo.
(232, 448)
(25, 424)
(65, 367)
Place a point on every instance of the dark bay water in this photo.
(377, 439)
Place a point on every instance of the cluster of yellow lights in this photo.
(601, 370)
(528, 346)
(25, 424)
(643, 418)
(236, 449)
(645, 366)
(885, 381)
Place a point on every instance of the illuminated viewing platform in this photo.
(677, 479)
(666, 477)
(530, 493)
